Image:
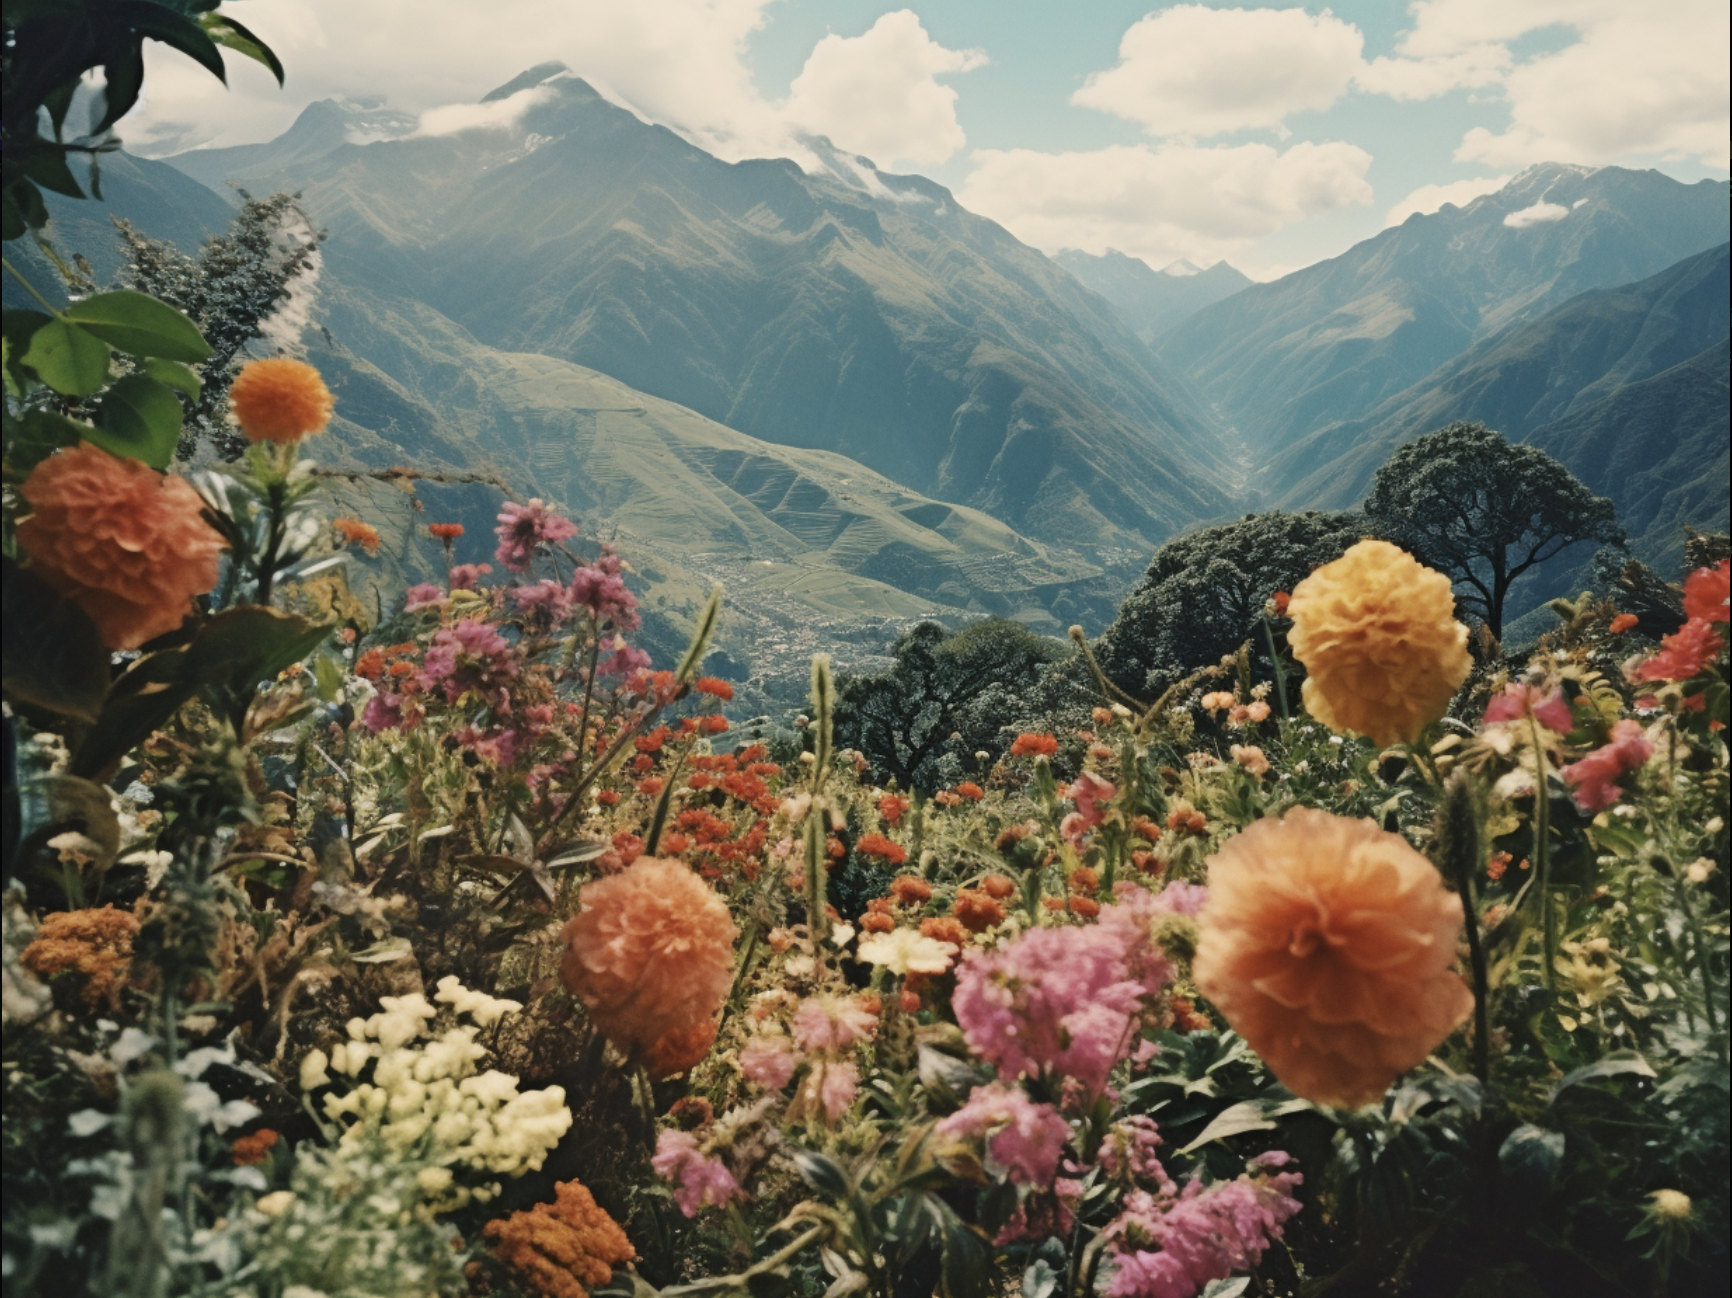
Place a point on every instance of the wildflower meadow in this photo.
(462, 946)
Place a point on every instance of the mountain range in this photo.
(858, 404)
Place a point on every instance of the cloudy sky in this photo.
(1271, 137)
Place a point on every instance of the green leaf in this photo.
(174, 374)
(227, 32)
(140, 419)
(140, 325)
(50, 655)
(327, 677)
(89, 807)
(163, 24)
(139, 702)
(243, 646)
(67, 358)
(1530, 1157)
(823, 1174)
(37, 434)
(46, 165)
(1622, 1063)
(1248, 1115)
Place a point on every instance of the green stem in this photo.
(1280, 671)
(1543, 857)
(31, 289)
(1701, 949)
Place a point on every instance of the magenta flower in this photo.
(622, 660)
(383, 712)
(1593, 778)
(698, 1182)
(1027, 1137)
(1167, 1247)
(546, 598)
(426, 595)
(1129, 1152)
(1518, 701)
(769, 1062)
(603, 592)
(524, 527)
(470, 658)
(465, 575)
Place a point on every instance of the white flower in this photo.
(276, 1204)
(905, 950)
(313, 1070)
(434, 1180)
(481, 1007)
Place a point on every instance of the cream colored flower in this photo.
(905, 950)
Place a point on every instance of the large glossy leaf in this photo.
(37, 434)
(823, 1174)
(85, 806)
(1529, 1158)
(140, 325)
(140, 419)
(175, 375)
(225, 31)
(69, 359)
(50, 655)
(1622, 1063)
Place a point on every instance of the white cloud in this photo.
(1429, 198)
(1537, 214)
(1639, 81)
(1163, 202)
(876, 93)
(499, 115)
(1195, 71)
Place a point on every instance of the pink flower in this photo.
(768, 1062)
(602, 591)
(1043, 1215)
(1129, 1151)
(465, 575)
(383, 712)
(1202, 1235)
(1684, 653)
(1054, 1000)
(623, 660)
(1088, 793)
(826, 1023)
(836, 1088)
(1593, 778)
(470, 657)
(1519, 701)
(1708, 592)
(496, 746)
(524, 527)
(426, 595)
(698, 1182)
(1027, 1137)
(546, 597)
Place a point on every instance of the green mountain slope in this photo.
(1152, 301)
(846, 310)
(1331, 342)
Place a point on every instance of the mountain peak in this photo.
(1183, 268)
(527, 80)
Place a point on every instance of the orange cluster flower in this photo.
(1083, 879)
(892, 807)
(558, 1248)
(891, 853)
(650, 954)
(976, 911)
(998, 886)
(249, 1151)
(125, 543)
(355, 532)
(1034, 744)
(681, 1050)
(945, 928)
(446, 532)
(1183, 818)
(1327, 943)
(876, 922)
(95, 945)
(715, 687)
(911, 890)
(947, 798)
(1376, 631)
(1623, 622)
(280, 400)
(970, 790)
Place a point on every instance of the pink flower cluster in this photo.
(1168, 1246)
(524, 527)
(466, 576)
(1595, 777)
(547, 601)
(1027, 1137)
(600, 589)
(825, 1030)
(470, 658)
(1128, 1152)
(1091, 794)
(1064, 1000)
(1519, 701)
(699, 1181)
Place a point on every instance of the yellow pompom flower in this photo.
(1377, 634)
(280, 400)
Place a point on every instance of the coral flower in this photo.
(355, 532)
(650, 954)
(1327, 943)
(1033, 744)
(884, 849)
(1684, 653)
(681, 1050)
(1622, 623)
(280, 400)
(446, 532)
(1707, 592)
(715, 687)
(560, 1247)
(125, 543)
(1594, 777)
(1376, 630)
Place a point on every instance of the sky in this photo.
(1269, 137)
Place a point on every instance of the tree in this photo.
(238, 288)
(1485, 511)
(943, 698)
(1203, 593)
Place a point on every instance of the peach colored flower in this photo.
(1376, 630)
(280, 400)
(1252, 758)
(1327, 943)
(682, 1049)
(125, 543)
(650, 954)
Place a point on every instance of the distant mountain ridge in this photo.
(854, 311)
(1329, 343)
(1152, 301)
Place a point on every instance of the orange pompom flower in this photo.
(886, 850)
(715, 687)
(1033, 744)
(280, 400)
(681, 1050)
(355, 532)
(446, 532)
(1622, 622)
(1376, 630)
(558, 1248)
(911, 889)
(125, 543)
(1327, 943)
(650, 954)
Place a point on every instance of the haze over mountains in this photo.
(857, 403)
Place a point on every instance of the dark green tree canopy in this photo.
(944, 698)
(1204, 592)
(1468, 503)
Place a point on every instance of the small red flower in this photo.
(445, 531)
(715, 687)
(882, 848)
(1622, 623)
(1031, 744)
(1707, 592)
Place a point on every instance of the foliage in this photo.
(1204, 594)
(944, 698)
(1470, 504)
